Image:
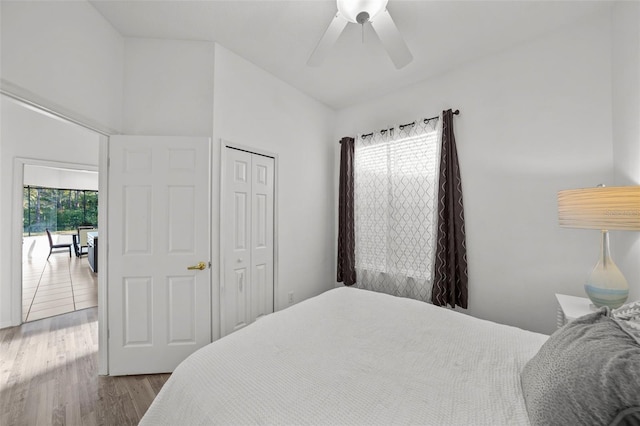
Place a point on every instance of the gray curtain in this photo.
(346, 235)
(450, 285)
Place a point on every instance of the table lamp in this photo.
(603, 208)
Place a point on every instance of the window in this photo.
(395, 175)
(58, 209)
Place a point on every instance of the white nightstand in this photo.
(572, 307)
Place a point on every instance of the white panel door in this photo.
(248, 204)
(235, 309)
(159, 225)
(262, 189)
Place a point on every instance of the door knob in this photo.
(200, 266)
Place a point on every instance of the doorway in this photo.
(36, 135)
(35, 140)
(247, 237)
(57, 276)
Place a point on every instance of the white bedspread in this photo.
(352, 356)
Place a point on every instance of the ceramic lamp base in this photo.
(606, 285)
(606, 297)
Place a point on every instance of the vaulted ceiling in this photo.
(279, 36)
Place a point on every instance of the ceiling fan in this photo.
(361, 12)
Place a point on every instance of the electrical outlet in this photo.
(290, 297)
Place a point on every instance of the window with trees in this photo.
(58, 209)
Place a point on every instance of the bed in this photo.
(351, 356)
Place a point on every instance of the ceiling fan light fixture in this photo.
(354, 9)
(360, 12)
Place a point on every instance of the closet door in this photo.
(248, 200)
(262, 236)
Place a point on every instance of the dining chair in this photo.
(58, 247)
(80, 240)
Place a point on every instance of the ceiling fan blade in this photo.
(391, 39)
(328, 40)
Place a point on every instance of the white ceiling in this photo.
(279, 36)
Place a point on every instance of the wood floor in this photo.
(48, 376)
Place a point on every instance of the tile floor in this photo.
(56, 286)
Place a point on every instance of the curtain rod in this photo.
(456, 112)
(402, 126)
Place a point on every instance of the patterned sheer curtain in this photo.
(395, 209)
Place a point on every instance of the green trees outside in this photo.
(58, 209)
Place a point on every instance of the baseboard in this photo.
(6, 324)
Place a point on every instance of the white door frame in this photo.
(224, 145)
(103, 259)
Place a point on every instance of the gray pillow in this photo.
(586, 373)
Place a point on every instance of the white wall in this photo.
(168, 87)
(254, 109)
(28, 134)
(626, 128)
(67, 55)
(51, 177)
(534, 119)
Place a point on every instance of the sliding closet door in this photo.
(247, 233)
